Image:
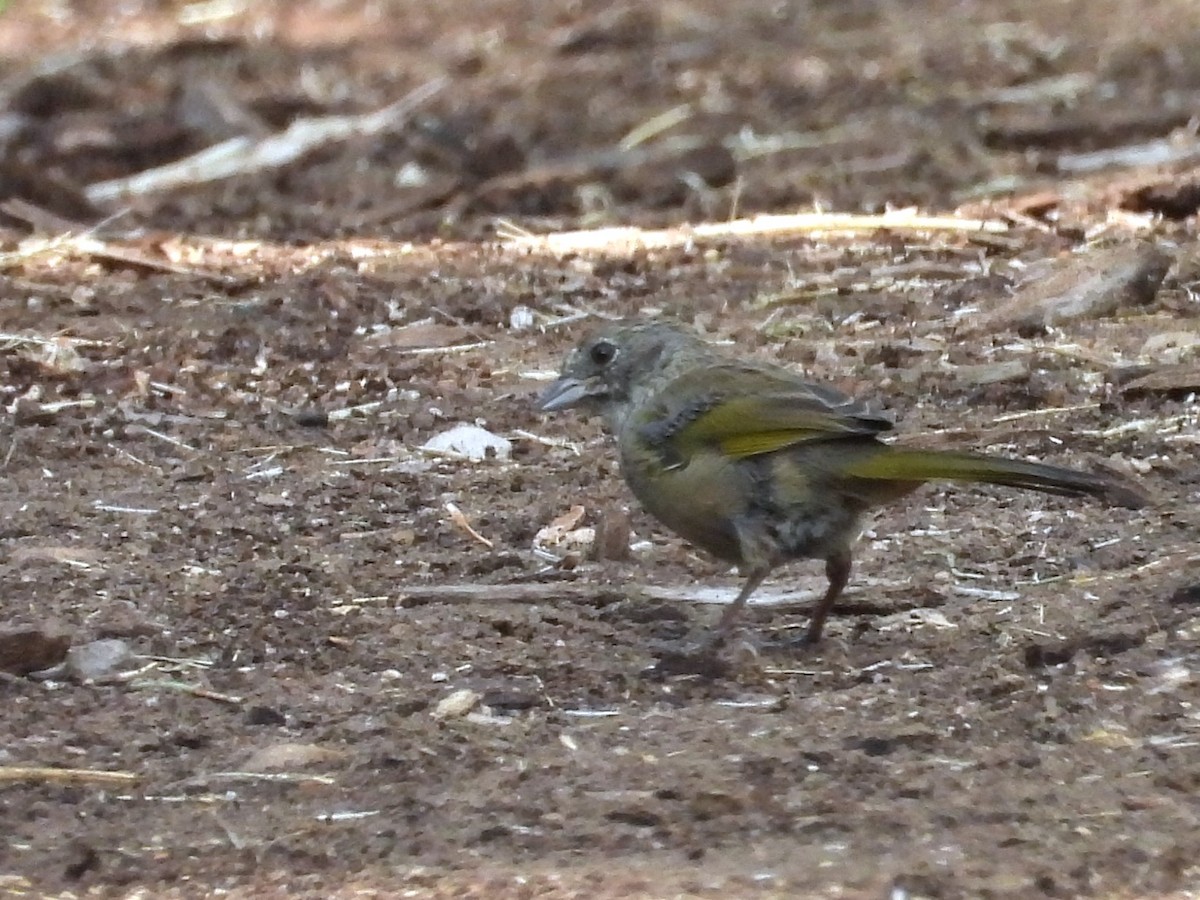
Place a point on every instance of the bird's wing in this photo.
(745, 410)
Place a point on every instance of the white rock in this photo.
(456, 704)
(470, 441)
(521, 318)
(92, 660)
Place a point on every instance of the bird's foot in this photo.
(803, 642)
(703, 659)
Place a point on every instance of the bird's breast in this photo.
(700, 498)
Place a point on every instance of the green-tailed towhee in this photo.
(757, 465)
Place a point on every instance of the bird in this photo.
(759, 466)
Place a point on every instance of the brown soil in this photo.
(216, 399)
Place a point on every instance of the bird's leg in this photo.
(733, 612)
(703, 658)
(837, 570)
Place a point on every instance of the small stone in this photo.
(97, 658)
(265, 715)
(456, 704)
(521, 318)
(312, 418)
(470, 441)
(289, 756)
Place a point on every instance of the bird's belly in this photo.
(767, 508)
(810, 531)
(808, 514)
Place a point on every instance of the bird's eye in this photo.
(602, 352)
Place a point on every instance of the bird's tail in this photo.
(928, 465)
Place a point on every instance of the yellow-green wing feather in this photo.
(747, 411)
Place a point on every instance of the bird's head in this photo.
(617, 366)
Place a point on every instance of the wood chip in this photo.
(1181, 379)
(1089, 286)
(25, 649)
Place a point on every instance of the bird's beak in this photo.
(567, 392)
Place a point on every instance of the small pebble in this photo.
(97, 658)
(470, 441)
(456, 705)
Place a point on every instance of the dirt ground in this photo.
(340, 665)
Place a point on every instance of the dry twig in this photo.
(243, 154)
(51, 775)
(622, 240)
(459, 520)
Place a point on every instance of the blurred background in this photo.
(577, 114)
